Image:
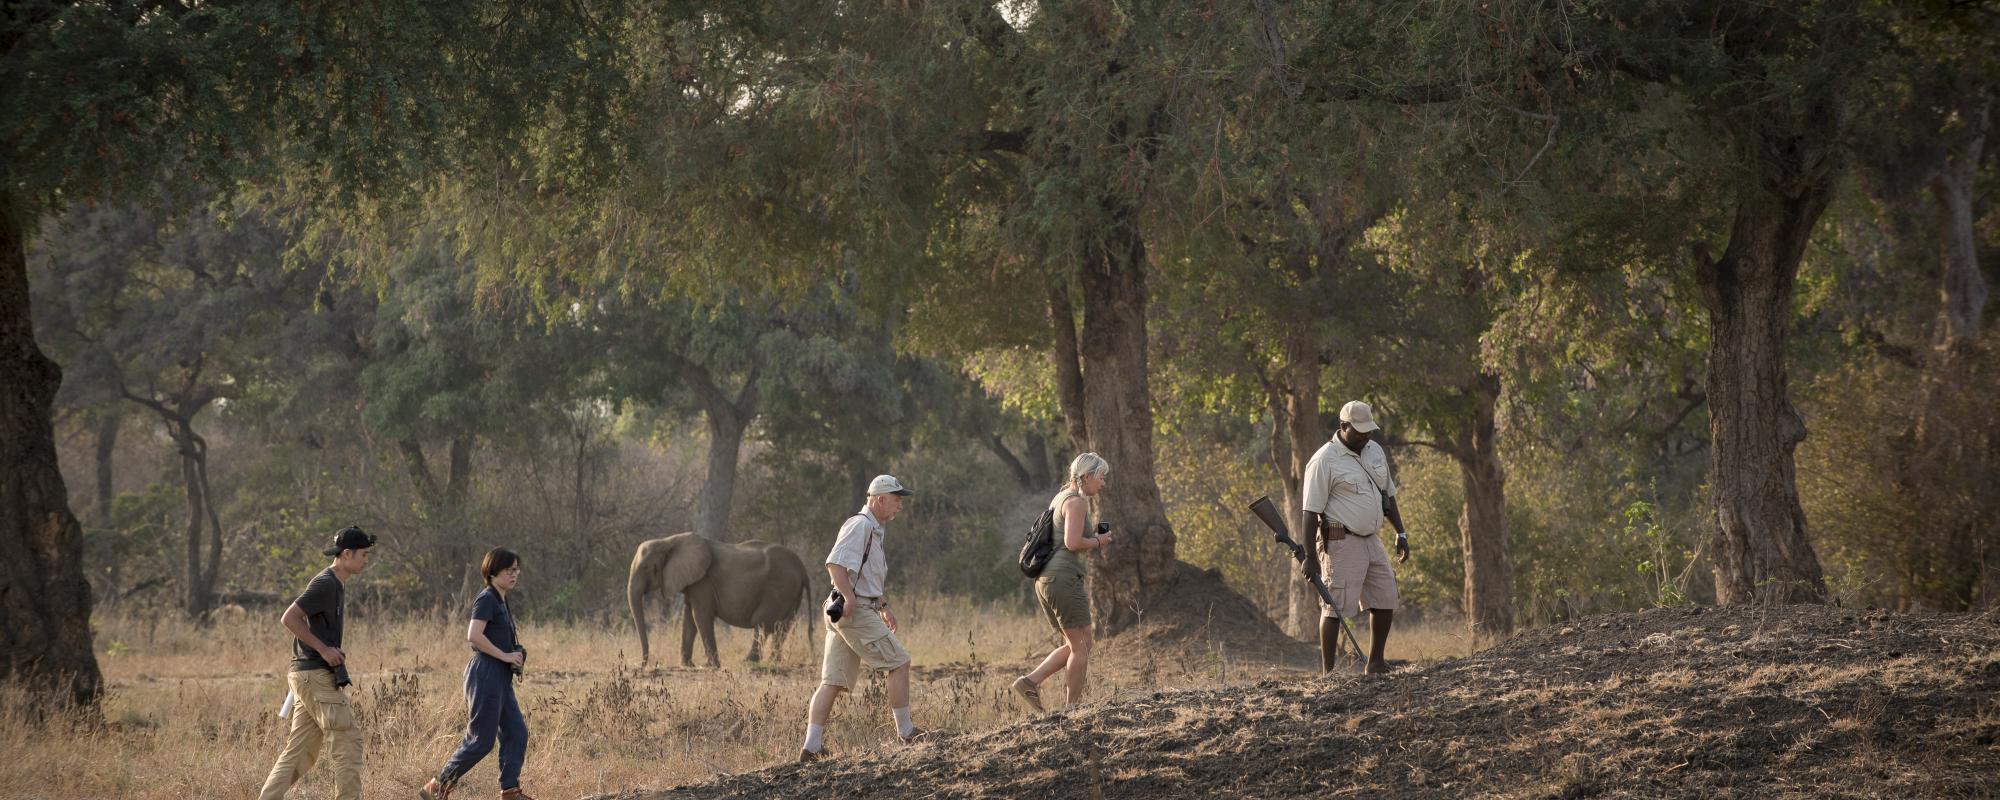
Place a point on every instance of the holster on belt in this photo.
(1330, 532)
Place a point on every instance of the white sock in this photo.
(815, 737)
(903, 725)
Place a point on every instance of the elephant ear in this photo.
(687, 561)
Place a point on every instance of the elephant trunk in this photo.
(637, 586)
(806, 609)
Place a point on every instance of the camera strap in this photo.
(867, 545)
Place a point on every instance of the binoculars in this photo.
(836, 605)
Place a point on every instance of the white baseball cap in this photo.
(886, 484)
(1357, 414)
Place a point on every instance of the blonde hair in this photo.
(1087, 464)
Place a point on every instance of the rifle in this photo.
(1268, 512)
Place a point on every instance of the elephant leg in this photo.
(756, 645)
(706, 622)
(687, 635)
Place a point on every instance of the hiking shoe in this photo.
(916, 735)
(808, 756)
(434, 791)
(514, 794)
(1029, 693)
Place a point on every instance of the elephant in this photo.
(754, 584)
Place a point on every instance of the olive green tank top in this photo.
(1064, 562)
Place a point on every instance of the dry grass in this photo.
(1670, 703)
(192, 713)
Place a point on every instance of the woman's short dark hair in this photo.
(498, 560)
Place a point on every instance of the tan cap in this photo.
(886, 484)
(1359, 415)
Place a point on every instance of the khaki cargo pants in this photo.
(321, 716)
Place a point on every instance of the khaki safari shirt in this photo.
(1348, 487)
(855, 537)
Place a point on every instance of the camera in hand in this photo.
(836, 605)
(340, 680)
(517, 669)
(1103, 528)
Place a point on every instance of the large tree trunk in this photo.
(203, 563)
(1962, 290)
(1069, 367)
(728, 417)
(458, 485)
(726, 424)
(108, 423)
(1949, 460)
(725, 447)
(1038, 462)
(1762, 554)
(45, 641)
(998, 445)
(1482, 524)
(1296, 433)
(194, 600)
(1119, 412)
(419, 469)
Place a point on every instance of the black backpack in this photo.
(1040, 546)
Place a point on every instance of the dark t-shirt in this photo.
(323, 601)
(499, 620)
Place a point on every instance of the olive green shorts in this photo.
(1064, 600)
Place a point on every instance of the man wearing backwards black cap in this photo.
(314, 620)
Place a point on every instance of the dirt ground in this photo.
(1799, 702)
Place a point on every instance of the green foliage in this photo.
(345, 101)
(1430, 498)
(1577, 549)
(564, 231)
(1209, 482)
(1667, 566)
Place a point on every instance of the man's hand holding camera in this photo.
(332, 656)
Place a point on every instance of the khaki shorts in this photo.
(1357, 573)
(861, 637)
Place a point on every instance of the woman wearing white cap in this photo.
(1061, 584)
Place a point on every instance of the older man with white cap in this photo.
(865, 633)
(1348, 493)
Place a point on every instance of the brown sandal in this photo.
(1029, 693)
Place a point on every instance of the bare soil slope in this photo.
(1788, 702)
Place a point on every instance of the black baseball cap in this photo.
(349, 538)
